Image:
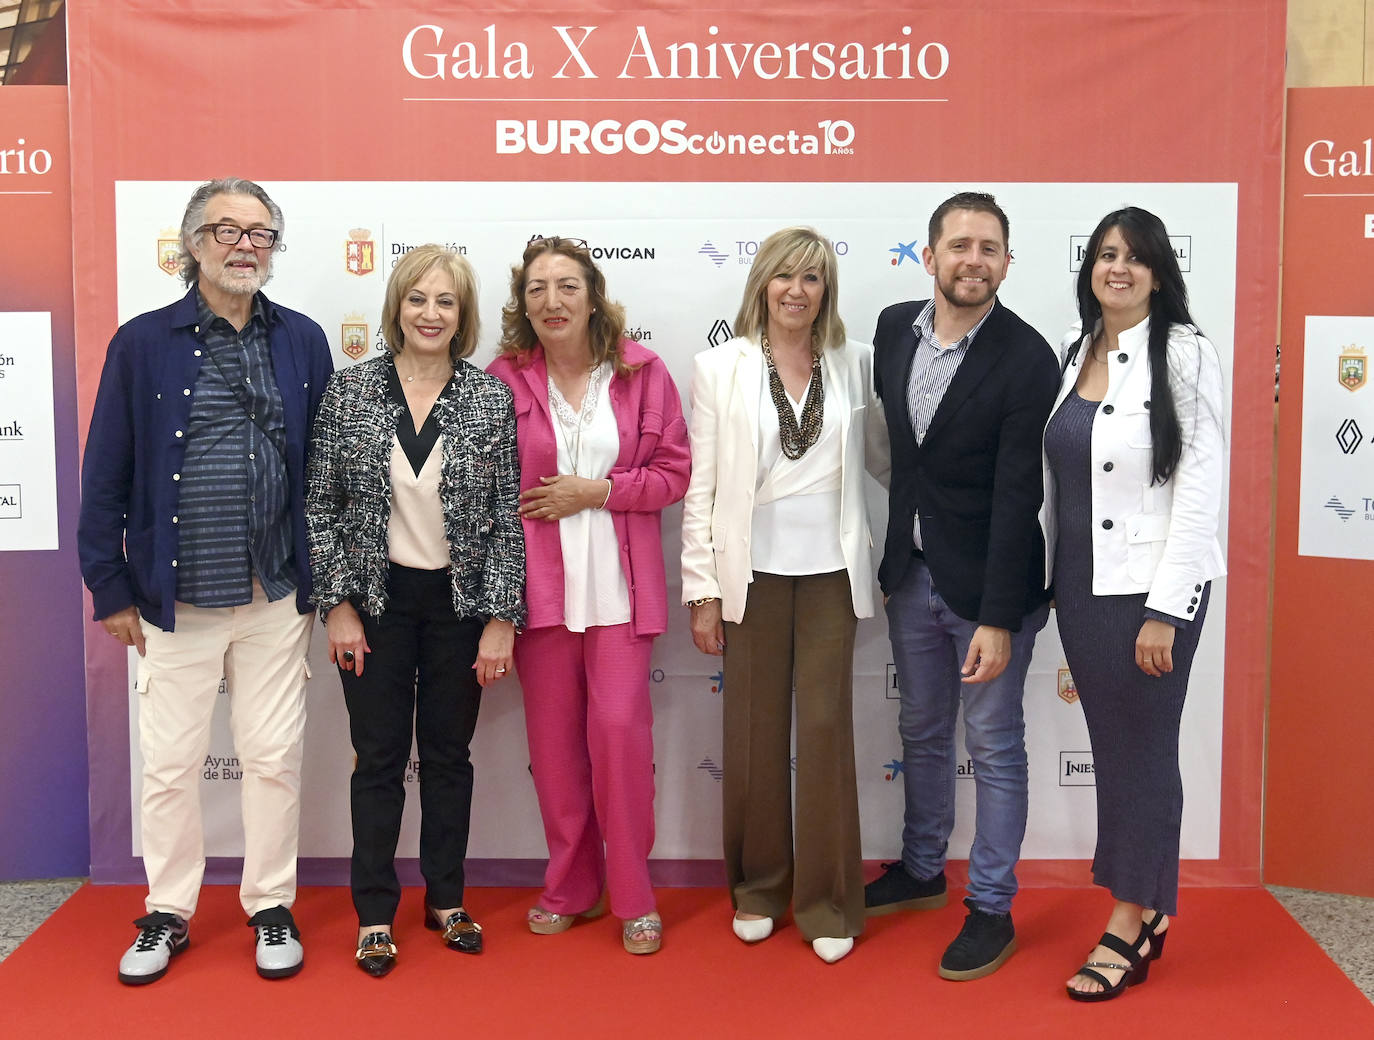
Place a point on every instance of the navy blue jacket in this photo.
(127, 536)
(976, 477)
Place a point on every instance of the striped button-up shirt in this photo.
(933, 368)
(233, 510)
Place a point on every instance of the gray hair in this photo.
(195, 217)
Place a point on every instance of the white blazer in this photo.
(717, 518)
(1160, 540)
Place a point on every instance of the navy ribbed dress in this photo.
(1133, 718)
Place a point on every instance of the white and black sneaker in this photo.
(161, 936)
(279, 951)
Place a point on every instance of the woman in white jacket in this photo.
(1134, 456)
(776, 569)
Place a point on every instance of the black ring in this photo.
(348, 657)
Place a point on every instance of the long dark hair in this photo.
(1147, 239)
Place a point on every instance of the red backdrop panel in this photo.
(1319, 806)
(1188, 90)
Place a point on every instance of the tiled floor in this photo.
(1342, 925)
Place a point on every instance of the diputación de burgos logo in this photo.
(670, 137)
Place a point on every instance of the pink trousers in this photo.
(590, 727)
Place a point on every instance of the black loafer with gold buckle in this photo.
(376, 954)
(460, 931)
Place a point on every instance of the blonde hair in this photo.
(605, 322)
(786, 252)
(408, 271)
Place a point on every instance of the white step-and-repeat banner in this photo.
(677, 255)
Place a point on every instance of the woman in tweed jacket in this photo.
(419, 567)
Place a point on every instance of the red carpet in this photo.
(1237, 966)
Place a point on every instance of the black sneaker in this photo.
(161, 936)
(898, 890)
(981, 947)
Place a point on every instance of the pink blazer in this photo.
(651, 472)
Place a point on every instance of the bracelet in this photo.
(703, 601)
(609, 488)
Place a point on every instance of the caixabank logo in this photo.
(904, 251)
(963, 769)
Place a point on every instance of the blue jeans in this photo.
(929, 642)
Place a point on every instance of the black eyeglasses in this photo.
(232, 235)
(554, 240)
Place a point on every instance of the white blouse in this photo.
(594, 589)
(796, 521)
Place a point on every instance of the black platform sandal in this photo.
(1135, 971)
(1156, 938)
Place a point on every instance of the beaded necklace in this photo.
(796, 437)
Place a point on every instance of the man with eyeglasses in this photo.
(192, 542)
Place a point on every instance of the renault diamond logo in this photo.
(720, 333)
(1349, 436)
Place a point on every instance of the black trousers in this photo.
(418, 678)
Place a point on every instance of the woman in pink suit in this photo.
(603, 448)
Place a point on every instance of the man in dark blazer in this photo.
(967, 387)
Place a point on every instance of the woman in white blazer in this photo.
(776, 568)
(1134, 464)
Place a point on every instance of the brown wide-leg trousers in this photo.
(797, 631)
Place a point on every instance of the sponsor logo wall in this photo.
(674, 147)
(1336, 497)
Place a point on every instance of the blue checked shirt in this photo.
(234, 507)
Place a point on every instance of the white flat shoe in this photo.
(831, 950)
(753, 931)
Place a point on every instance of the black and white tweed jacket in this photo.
(348, 491)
